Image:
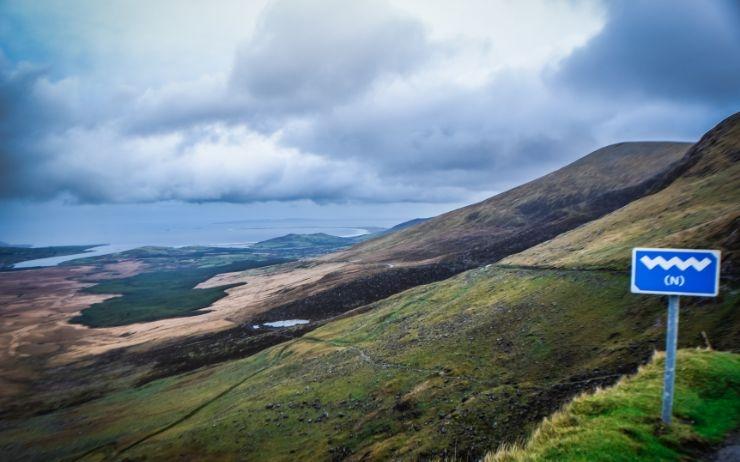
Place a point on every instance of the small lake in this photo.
(284, 323)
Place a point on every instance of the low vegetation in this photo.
(308, 244)
(172, 258)
(455, 367)
(158, 295)
(622, 424)
(288, 247)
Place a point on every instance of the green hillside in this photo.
(449, 369)
(308, 244)
(619, 424)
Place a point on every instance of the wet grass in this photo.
(458, 366)
(622, 424)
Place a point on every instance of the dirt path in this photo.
(728, 452)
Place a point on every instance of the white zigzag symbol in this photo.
(675, 261)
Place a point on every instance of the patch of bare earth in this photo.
(36, 306)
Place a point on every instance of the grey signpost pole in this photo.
(670, 358)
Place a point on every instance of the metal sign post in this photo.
(674, 272)
(670, 358)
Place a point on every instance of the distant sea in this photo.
(219, 234)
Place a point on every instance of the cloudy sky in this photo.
(377, 109)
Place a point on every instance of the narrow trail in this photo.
(729, 450)
(189, 414)
(443, 373)
(369, 359)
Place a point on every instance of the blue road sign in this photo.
(675, 272)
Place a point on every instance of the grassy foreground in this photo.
(622, 423)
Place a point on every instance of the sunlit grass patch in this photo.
(622, 423)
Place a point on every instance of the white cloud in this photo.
(483, 37)
(219, 163)
(375, 101)
(309, 55)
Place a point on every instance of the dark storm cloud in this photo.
(22, 116)
(483, 138)
(20, 110)
(672, 49)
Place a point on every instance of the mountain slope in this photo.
(446, 245)
(454, 367)
(700, 209)
(486, 232)
(404, 225)
(516, 219)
